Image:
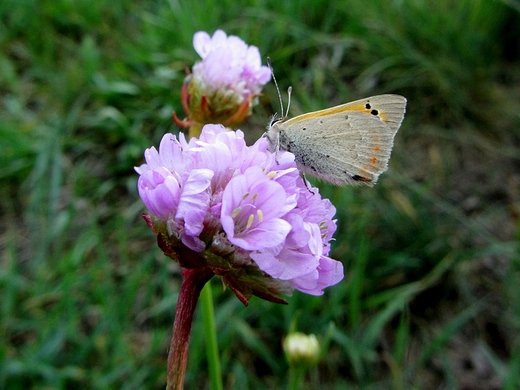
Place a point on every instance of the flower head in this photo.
(224, 85)
(215, 202)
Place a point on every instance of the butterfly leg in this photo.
(277, 147)
(307, 184)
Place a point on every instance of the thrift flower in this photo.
(219, 205)
(224, 86)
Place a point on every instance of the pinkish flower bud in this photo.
(224, 86)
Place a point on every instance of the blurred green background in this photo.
(431, 296)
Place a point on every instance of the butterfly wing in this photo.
(390, 109)
(347, 144)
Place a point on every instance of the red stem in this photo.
(192, 283)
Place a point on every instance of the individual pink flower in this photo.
(224, 86)
(217, 204)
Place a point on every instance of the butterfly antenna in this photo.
(289, 93)
(269, 64)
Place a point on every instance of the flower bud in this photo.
(224, 86)
(301, 350)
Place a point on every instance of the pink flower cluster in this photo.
(216, 192)
(228, 63)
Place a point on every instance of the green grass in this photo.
(430, 297)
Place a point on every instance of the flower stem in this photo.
(194, 130)
(296, 378)
(192, 283)
(208, 318)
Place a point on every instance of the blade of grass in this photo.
(208, 318)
